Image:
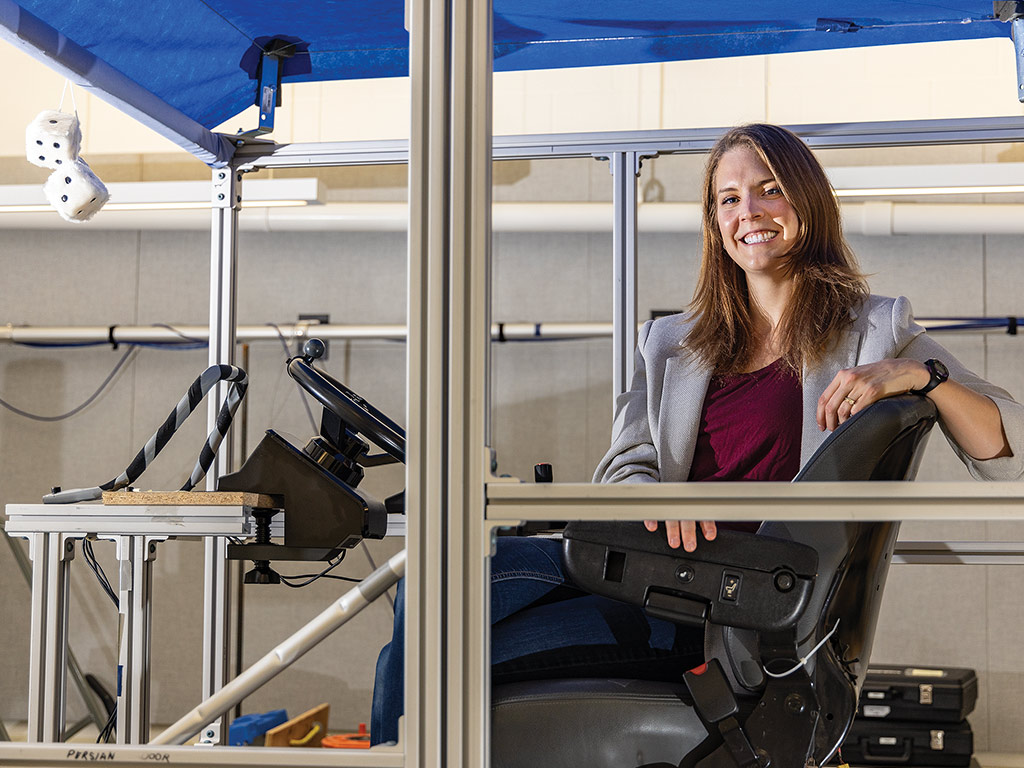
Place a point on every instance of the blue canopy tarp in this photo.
(185, 66)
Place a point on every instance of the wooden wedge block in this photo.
(306, 730)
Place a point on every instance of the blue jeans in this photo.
(542, 626)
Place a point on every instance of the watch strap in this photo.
(939, 374)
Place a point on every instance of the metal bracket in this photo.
(268, 92)
(638, 161)
(1017, 29)
(1008, 10)
(227, 188)
(1013, 12)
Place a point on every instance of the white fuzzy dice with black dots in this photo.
(53, 139)
(76, 192)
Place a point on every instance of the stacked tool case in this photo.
(913, 716)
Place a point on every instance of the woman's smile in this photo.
(757, 222)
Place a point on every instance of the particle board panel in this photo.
(190, 499)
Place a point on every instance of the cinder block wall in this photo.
(551, 402)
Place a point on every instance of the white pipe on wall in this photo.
(154, 334)
(860, 218)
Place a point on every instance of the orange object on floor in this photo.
(359, 740)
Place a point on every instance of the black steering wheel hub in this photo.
(354, 411)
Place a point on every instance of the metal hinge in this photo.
(1007, 11)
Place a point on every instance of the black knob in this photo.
(542, 473)
(784, 581)
(685, 574)
(313, 349)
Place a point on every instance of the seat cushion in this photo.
(592, 722)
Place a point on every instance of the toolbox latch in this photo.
(925, 693)
(938, 740)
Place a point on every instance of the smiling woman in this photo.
(783, 343)
(775, 298)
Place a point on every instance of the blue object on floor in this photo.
(246, 729)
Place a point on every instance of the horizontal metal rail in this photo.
(874, 501)
(521, 331)
(144, 756)
(959, 553)
(988, 130)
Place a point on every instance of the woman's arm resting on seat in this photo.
(971, 419)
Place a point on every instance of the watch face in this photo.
(939, 369)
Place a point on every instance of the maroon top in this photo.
(750, 428)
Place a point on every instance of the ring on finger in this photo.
(849, 400)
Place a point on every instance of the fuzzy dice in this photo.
(53, 139)
(76, 192)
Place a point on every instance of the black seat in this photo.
(765, 600)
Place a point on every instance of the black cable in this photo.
(108, 730)
(302, 392)
(180, 335)
(349, 579)
(175, 345)
(311, 577)
(77, 409)
(90, 558)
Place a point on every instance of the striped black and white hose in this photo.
(200, 387)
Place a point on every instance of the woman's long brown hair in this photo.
(827, 283)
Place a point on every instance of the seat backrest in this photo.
(882, 442)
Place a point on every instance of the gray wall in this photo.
(552, 402)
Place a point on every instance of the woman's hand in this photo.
(685, 531)
(854, 389)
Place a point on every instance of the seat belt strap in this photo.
(715, 703)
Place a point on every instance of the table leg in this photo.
(135, 555)
(51, 554)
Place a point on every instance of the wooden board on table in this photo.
(189, 499)
(306, 730)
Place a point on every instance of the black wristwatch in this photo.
(939, 374)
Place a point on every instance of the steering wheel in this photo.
(344, 403)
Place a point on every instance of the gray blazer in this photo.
(655, 427)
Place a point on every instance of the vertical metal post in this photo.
(449, 241)
(226, 200)
(51, 554)
(37, 682)
(144, 553)
(135, 556)
(468, 571)
(625, 166)
(61, 552)
(425, 368)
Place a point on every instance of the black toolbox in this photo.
(881, 742)
(917, 694)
